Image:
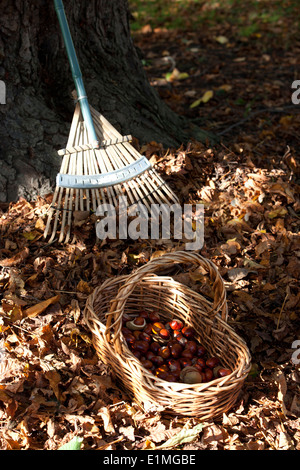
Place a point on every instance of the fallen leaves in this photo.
(40, 307)
(18, 258)
(204, 99)
(184, 436)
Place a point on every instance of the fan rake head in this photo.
(90, 177)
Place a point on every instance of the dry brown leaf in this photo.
(107, 422)
(54, 380)
(282, 390)
(40, 307)
(84, 287)
(213, 435)
(16, 259)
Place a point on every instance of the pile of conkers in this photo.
(170, 350)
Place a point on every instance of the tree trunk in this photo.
(36, 118)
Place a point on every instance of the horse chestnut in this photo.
(223, 372)
(188, 332)
(185, 362)
(148, 329)
(137, 334)
(201, 362)
(171, 377)
(141, 346)
(157, 326)
(212, 362)
(176, 350)
(150, 355)
(176, 324)
(154, 317)
(208, 374)
(158, 361)
(198, 367)
(190, 375)
(162, 372)
(186, 354)
(176, 333)
(174, 366)
(137, 324)
(169, 349)
(129, 338)
(181, 339)
(144, 336)
(144, 314)
(147, 364)
(201, 351)
(137, 354)
(155, 347)
(164, 333)
(163, 367)
(164, 352)
(191, 346)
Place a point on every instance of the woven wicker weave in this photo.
(146, 290)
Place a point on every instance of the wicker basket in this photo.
(145, 289)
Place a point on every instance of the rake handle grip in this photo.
(76, 72)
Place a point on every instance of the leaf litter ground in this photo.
(53, 387)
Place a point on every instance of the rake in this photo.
(98, 164)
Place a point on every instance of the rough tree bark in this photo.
(35, 121)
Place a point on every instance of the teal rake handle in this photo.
(76, 73)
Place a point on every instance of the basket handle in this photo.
(114, 315)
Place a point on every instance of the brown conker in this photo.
(185, 362)
(141, 346)
(137, 354)
(164, 333)
(155, 347)
(137, 334)
(208, 374)
(154, 317)
(145, 336)
(176, 350)
(190, 375)
(144, 314)
(171, 377)
(150, 355)
(164, 352)
(174, 366)
(198, 367)
(129, 338)
(201, 351)
(125, 318)
(162, 372)
(181, 339)
(176, 324)
(137, 324)
(188, 332)
(187, 354)
(212, 362)
(191, 346)
(158, 361)
(216, 371)
(224, 372)
(148, 329)
(157, 326)
(147, 364)
(201, 362)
